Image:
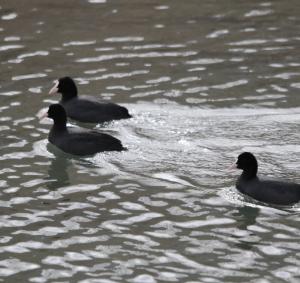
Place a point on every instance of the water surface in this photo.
(204, 80)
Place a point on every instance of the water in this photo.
(204, 80)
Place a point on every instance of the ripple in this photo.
(10, 93)
(33, 54)
(9, 47)
(153, 46)
(29, 76)
(142, 218)
(259, 13)
(270, 250)
(136, 55)
(8, 17)
(248, 42)
(159, 80)
(118, 75)
(295, 85)
(79, 43)
(162, 7)
(201, 223)
(205, 61)
(13, 266)
(231, 84)
(12, 38)
(125, 39)
(97, 1)
(218, 33)
(244, 50)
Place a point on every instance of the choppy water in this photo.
(205, 80)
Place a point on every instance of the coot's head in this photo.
(58, 114)
(247, 162)
(66, 86)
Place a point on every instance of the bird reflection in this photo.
(57, 172)
(247, 216)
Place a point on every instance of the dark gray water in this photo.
(205, 80)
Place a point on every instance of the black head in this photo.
(58, 114)
(248, 163)
(66, 86)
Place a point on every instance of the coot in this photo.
(86, 109)
(78, 141)
(269, 191)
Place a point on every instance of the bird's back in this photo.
(79, 141)
(270, 191)
(90, 110)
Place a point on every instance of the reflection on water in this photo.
(57, 172)
(204, 81)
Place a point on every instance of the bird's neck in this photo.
(249, 174)
(68, 96)
(60, 125)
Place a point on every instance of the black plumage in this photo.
(84, 108)
(269, 191)
(78, 141)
